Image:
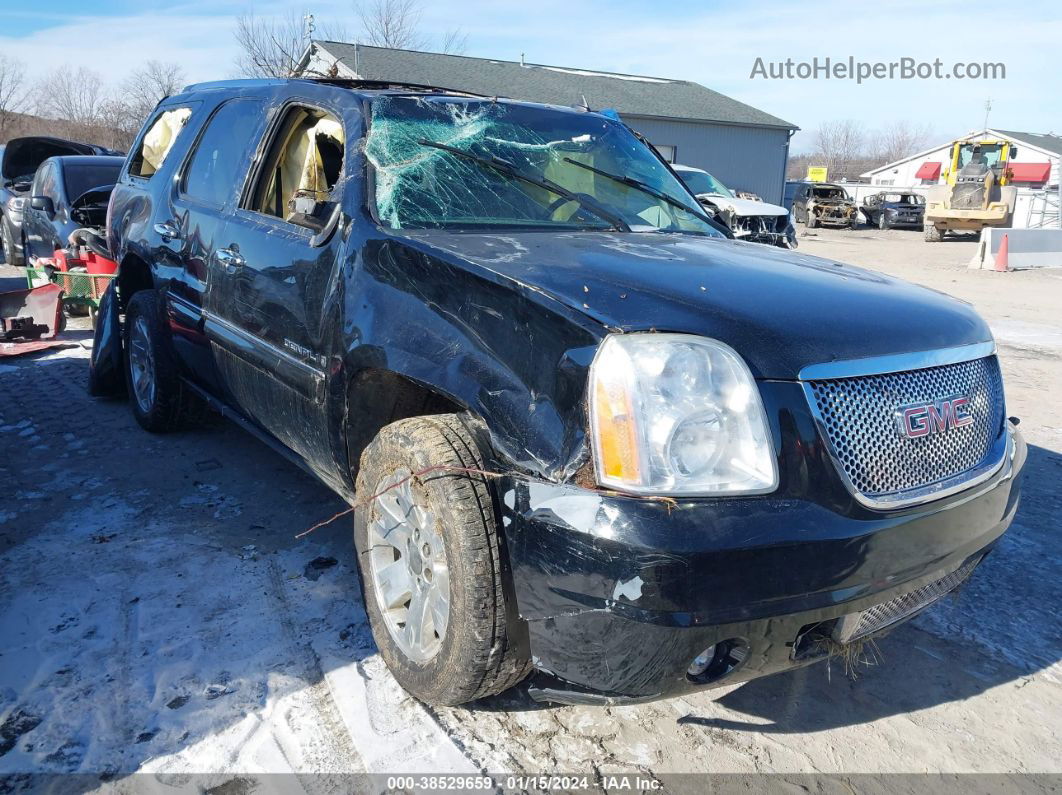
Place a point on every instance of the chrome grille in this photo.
(880, 616)
(859, 418)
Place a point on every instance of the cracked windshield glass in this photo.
(486, 164)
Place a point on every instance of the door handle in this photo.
(230, 260)
(167, 231)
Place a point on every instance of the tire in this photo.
(11, 257)
(810, 221)
(163, 403)
(476, 654)
(883, 224)
(933, 233)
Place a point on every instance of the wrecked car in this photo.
(67, 193)
(887, 209)
(752, 220)
(824, 204)
(586, 437)
(21, 158)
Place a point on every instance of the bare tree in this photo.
(13, 95)
(900, 139)
(145, 87)
(454, 42)
(391, 23)
(76, 95)
(397, 24)
(840, 145)
(125, 112)
(272, 47)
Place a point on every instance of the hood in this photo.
(23, 155)
(742, 207)
(780, 310)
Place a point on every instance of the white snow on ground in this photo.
(160, 651)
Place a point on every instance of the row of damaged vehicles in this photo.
(814, 205)
(829, 204)
(50, 187)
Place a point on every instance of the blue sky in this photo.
(713, 43)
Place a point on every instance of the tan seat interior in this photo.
(160, 139)
(306, 161)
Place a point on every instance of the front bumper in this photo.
(619, 594)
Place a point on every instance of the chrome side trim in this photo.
(896, 363)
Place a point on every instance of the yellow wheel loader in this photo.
(976, 193)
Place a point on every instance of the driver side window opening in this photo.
(299, 181)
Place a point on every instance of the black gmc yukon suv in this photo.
(584, 433)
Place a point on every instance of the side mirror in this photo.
(44, 204)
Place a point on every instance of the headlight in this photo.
(677, 414)
(15, 203)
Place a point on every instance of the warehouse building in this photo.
(744, 147)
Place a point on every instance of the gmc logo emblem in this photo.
(924, 419)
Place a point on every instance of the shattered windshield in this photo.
(518, 166)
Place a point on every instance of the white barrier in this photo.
(1026, 248)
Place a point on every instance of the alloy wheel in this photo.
(410, 577)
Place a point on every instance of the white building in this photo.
(1034, 161)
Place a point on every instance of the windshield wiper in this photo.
(505, 167)
(637, 184)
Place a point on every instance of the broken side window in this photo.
(158, 141)
(455, 162)
(300, 179)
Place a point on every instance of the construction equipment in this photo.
(976, 193)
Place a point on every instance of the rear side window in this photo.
(219, 162)
(299, 181)
(158, 141)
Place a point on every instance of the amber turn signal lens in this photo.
(616, 432)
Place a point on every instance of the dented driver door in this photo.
(275, 272)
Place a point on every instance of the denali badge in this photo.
(923, 419)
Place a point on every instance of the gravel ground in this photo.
(158, 615)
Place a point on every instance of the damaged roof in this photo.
(633, 95)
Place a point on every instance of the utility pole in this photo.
(988, 109)
(307, 27)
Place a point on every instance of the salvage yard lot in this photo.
(158, 614)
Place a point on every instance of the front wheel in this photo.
(432, 562)
(933, 233)
(883, 224)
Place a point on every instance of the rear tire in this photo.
(440, 524)
(160, 401)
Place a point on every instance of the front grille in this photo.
(880, 616)
(860, 419)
